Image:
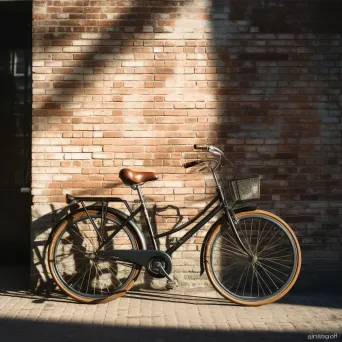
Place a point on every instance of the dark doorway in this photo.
(15, 131)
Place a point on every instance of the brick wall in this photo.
(136, 83)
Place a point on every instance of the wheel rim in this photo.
(263, 275)
(76, 263)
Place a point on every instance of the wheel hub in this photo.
(254, 259)
(91, 256)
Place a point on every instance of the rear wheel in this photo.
(75, 266)
(263, 275)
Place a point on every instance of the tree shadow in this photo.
(254, 86)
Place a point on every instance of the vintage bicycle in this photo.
(251, 257)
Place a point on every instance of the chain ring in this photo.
(167, 264)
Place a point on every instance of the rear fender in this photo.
(132, 223)
(115, 212)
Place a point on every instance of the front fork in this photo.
(230, 216)
(233, 222)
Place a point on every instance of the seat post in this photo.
(148, 221)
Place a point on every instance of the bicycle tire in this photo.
(267, 263)
(60, 243)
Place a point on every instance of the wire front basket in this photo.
(244, 189)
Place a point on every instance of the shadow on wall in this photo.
(279, 115)
(139, 18)
(41, 228)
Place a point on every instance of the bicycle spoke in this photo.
(96, 275)
(268, 247)
(246, 237)
(239, 248)
(264, 282)
(258, 242)
(69, 268)
(78, 279)
(272, 268)
(116, 231)
(285, 249)
(268, 274)
(232, 249)
(82, 237)
(233, 242)
(73, 246)
(234, 253)
(232, 246)
(266, 234)
(68, 255)
(228, 267)
(277, 263)
(72, 270)
(115, 276)
(252, 280)
(258, 282)
(83, 279)
(239, 280)
(244, 288)
(91, 266)
(105, 283)
(269, 242)
(250, 238)
(277, 258)
(232, 276)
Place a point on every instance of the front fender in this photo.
(218, 222)
(205, 242)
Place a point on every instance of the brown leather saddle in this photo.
(130, 177)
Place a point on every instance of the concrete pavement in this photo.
(150, 315)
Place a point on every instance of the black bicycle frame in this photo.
(221, 205)
(184, 238)
(214, 211)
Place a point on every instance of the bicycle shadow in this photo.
(184, 298)
(42, 228)
(41, 281)
(153, 213)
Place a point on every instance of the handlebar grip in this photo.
(201, 147)
(192, 163)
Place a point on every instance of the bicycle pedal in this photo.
(171, 284)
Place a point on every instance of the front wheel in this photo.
(263, 275)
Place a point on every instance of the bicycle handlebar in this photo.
(192, 163)
(211, 149)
